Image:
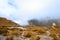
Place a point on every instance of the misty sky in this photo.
(22, 10)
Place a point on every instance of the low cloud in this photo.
(21, 11)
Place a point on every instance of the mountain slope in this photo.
(8, 23)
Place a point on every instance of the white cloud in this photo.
(23, 10)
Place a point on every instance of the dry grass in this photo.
(30, 33)
(33, 31)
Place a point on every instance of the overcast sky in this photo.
(22, 10)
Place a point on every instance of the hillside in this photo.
(44, 22)
(6, 22)
(28, 32)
